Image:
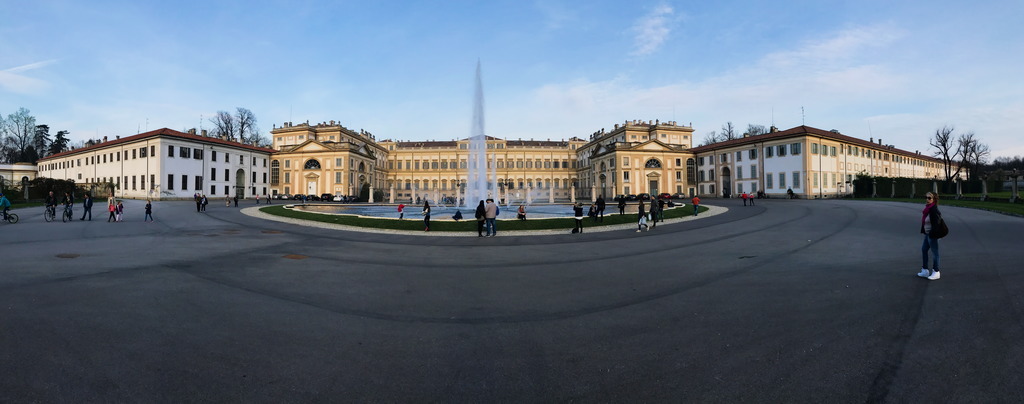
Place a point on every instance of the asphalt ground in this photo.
(786, 301)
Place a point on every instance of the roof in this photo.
(804, 130)
(163, 132)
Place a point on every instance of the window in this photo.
(794, 149)
(796, 179)
(652, 163)
(213, 157)
(782, 180)
(833, 151)
(768, 181)
(227, 157)
(701, 175)
(625, 161)
(312, 164)
(152, 181)
(142, 152)
(275, 172)
(133, 183)
(724, 158)
(780, 150)
(739, 156)
(625, 176)
(691, 171)
(199, 182)
(768, 151)
(814, 148)
(739, 172)
(679, 162)
(142, 179)
(287, 178)
(752, 154)
(170, 181)
(337, 163)
(227, 175)
(254, 161)
(198, 155)
(264, 178)
(184, 182)
(152, 151)
(753, 171)
(213, 190)
(135, 154)
(337, 177)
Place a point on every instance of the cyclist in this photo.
(68, 202)
(5, 205)
(51, 202)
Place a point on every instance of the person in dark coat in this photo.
(87, 205)
(622, 206)
(930, 219)
(481, 216)
(600, 208)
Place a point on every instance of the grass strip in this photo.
(415, 223)
(1015, 209)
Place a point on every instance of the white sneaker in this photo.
(924, 273)
(934, 276)
(638, 230)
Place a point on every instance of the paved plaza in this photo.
(786, 301)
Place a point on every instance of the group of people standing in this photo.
(114, 207)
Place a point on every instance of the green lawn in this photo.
(995, 206)
(415, 222)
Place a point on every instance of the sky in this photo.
(551, 69)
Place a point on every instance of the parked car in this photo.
(631, 197)
(338, 198)
(283, 196)
(664, 195)
(298, 197)
(326, 197)
(619, 198)
(312, 197)
(679, 196)
(644, 196)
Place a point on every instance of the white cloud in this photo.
(651, 30)
(11, 81)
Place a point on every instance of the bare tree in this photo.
(728, 132)
(18, 131)
(223, 125)
(755, 130)
(245, 125)
(947, 149)
(709, 138)
(973, 153)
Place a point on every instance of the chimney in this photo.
(879, 140)
(104, 139)
(205, 134)
(118, 136)
(872, 140)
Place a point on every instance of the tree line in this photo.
(23, 140)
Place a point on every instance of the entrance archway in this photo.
(240, 183)
(726, 182)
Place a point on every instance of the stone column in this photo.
(935, 187)
(913, 189)
(391, 198)
(551, 195)
(893, 195)
(959, 189)
(572, 194)
(369, 198)
(984, 189)
(874, 188)
(593, 193)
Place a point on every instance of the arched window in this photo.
(275, 172)
(691, 170)
(362, 167)
(312, 164)
(652, 163)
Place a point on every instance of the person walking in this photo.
(481, 217)
(744, 197)
(696, 204)
(654, 215)
(227, 202)
(204, 202)
(491, 217)
(622, 206)
(120, 211)
(112, 209)
(236, 200)
(751, 198)
(426, 215)
(600, 208)
(930, 218)
(199, 202)
(401, 211)
(149, 211)
(641, 217)
(661, 210)
(577, 211)
(268, 199)
(87, 206)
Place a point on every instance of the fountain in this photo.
(478, 183)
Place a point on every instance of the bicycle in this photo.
(67, 216)
(11, 218)
(50, 213)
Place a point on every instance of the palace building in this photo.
(634, 157)
(165, 164)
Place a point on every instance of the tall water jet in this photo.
(477, 184)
